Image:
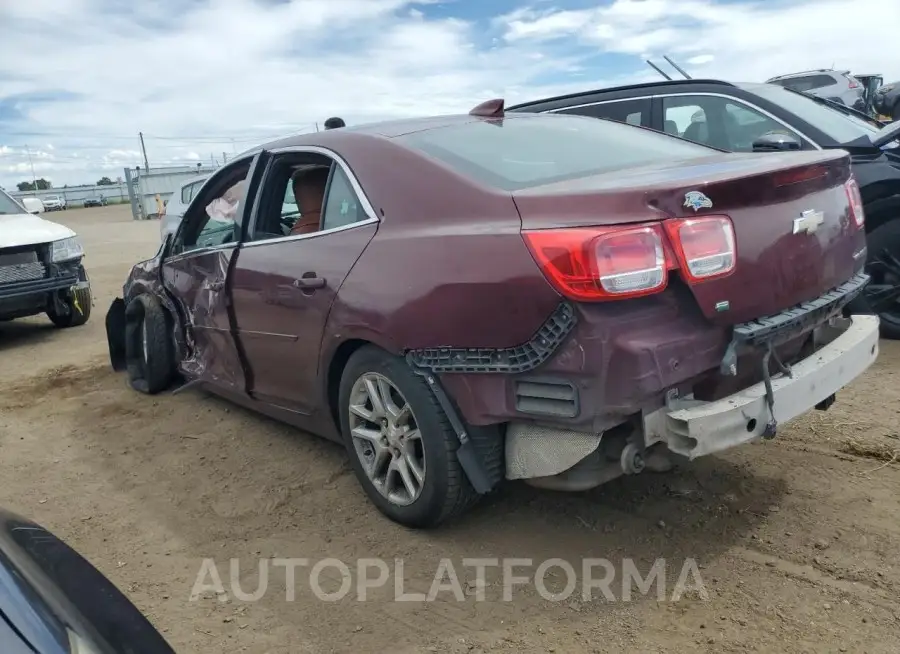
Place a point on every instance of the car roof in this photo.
(371, 131)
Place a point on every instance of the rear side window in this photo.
(633, 112)
(806, 82)
(186, 194)
(531, 150)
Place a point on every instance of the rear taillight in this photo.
(606, 263)
(597, 263)
(704, 246)
(856, 204)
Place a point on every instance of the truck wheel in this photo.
(149, 352)
(78, 309)
(400, 442)
(884, 275)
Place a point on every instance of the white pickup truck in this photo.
(41, 268)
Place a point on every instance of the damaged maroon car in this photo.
(462, 300)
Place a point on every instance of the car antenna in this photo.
(658, 69)
(489, 109)
(676, 67)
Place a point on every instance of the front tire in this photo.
(400, 442)
(149, 351)
(78, 309)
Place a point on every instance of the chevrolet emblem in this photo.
(808, 222)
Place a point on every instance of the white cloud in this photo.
(213, 76)
(748, 41)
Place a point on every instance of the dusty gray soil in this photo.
(798, 540)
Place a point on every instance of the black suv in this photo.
(763, 118)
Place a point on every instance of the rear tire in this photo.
(885, 237)
(442, 490)
(149, 350)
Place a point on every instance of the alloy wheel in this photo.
(386, 438)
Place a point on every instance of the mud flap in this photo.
(115, 334)
(468, 455)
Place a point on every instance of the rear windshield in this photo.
(8, 205)
(527, 151)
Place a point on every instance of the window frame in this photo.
(336, 160)
(646, 113)
(658, 123)
(737, 102)
(212, 187)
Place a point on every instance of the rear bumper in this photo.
(695, 428)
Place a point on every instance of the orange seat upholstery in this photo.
(309, 192)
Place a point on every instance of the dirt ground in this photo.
(797, 540)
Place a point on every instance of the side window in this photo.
(342, 206)
(719, 122)
(213, 216)
(304, 193)
(186, 194)
(633, 112)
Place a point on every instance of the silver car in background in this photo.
(178, 204)
(835, 85)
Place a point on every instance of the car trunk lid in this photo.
(794, 231)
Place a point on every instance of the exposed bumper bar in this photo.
(19, 289)
(693, 428)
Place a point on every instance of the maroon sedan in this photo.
(466, 299)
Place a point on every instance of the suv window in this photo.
(723, 123)
(526, 150)
(806, 82)
(633, 112)
(190, 190)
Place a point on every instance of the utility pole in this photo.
(224, 158)
(31, 162)
(144, 150)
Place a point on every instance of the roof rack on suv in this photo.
(806, 72)
(627, 87)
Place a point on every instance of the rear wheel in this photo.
(400, 442)
(149, 350)
(882, 294)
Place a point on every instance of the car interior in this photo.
(210, 221)
(304, 194)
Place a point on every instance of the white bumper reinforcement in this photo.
(693, 428)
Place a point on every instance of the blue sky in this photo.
(80, 78)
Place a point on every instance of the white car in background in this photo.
(41, 268)
(55, 203)
(177, 205)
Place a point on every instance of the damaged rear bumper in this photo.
(694, 428)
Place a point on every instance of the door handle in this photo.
(309, 283)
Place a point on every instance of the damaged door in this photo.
(196, 274)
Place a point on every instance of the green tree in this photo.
(42, 185)
(105, 181)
